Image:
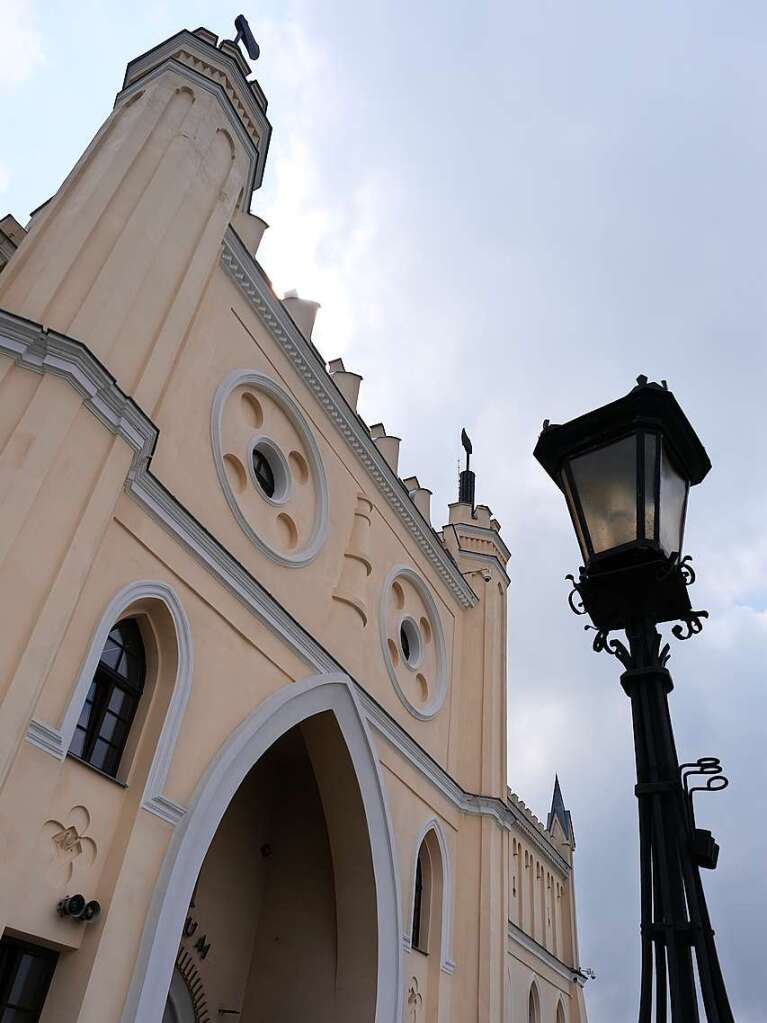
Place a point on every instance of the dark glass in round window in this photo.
(263, 472)
(404, 641)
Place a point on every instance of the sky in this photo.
(509, 210)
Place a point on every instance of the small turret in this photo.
(559, 814)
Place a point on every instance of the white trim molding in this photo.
(261, 382)
(191, 838)
(568, 973)
(47, 352)
(446, 961)
(44, 351)
(565, 1015)
(439, 683)
(246, 273)
(506, 815)
(57, 740)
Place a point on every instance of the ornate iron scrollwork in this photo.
(710, 767)
(686, 570)
(691, 625)
(614, 647)
(574, 598)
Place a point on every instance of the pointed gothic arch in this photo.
(433, 826)
(152, 599)
(561, 1017)
(534, 1005)
(289, 707)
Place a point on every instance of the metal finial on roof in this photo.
(467, 478)
(244, 33)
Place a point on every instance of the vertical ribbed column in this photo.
(120, 256)
(356, 567)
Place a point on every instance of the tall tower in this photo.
(118, 261)
(177, 158)
(473, 538)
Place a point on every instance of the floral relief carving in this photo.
(67, 849)
(414, 1001)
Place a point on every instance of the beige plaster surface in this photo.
(125, 260)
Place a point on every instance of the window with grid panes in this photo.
(113, 696)
(25, 976)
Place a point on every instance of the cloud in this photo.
(21, 45)
(317, 239)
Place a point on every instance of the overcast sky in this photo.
(508, 211)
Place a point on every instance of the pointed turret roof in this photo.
(560, 813)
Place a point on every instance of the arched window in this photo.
(421, 901)
(534, 1007)
(113, 697)
(560, 1013)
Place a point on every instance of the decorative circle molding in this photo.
(290, 526)
(420, 679)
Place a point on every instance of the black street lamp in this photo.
(625, 470)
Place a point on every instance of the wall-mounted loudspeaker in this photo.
(76, 907)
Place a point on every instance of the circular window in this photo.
(269, 467)
(413, 642)
(271, 473)
(263, 472)
(410, 642)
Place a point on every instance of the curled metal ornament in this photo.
(691, 625)
(681, 565)
(686, 570)
(614, 647)
(574, 598)
(708, 767)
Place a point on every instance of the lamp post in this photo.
(625, 470)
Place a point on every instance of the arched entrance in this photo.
(280, 881)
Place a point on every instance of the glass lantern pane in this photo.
(673, 492)
(650, 456)
(574, 516)
(606, 482)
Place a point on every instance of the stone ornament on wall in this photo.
(269, 467)
(352, 584)
(66, 847)
(414, 1001)
(413, 642)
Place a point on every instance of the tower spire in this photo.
(560, 813)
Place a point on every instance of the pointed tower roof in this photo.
(560, 813)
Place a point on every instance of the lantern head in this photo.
(625, 470)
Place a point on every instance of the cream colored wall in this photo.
(184, 461)
(125, 258)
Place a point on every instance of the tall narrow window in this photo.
(25, 976)
(533, 1009)
(415, 939)
(114, 694)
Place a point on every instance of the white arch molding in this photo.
(446, 964)
(191, 838)
(57, 740)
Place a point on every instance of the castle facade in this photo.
(252, 702)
